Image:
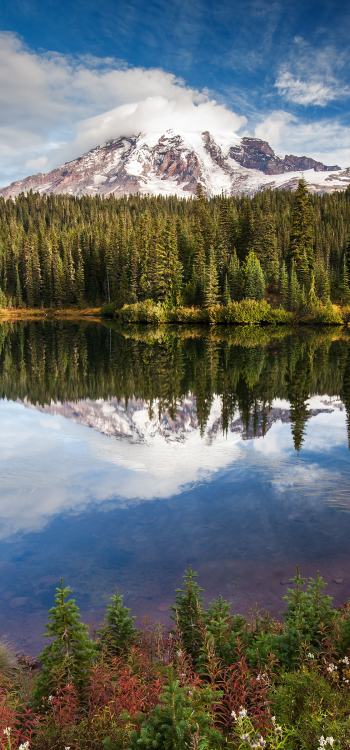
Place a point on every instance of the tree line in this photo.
(45, 362)
(292, 248)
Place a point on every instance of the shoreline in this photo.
(156, 315)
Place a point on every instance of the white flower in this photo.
(234, 715)
(50, 699)
(324, 741)
(242, 713)
(346, 660)
(310, 655)
(7, 731)
(24, 746)
(331, 668)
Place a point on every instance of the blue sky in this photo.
(66, 68)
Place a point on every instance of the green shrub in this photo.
(248, 311)
(280, 316)
(109, 310)
(327, 314)
(345, 311)
(183, 719)
(309, 620)
(306, 703)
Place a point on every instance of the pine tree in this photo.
(312, 299)
(183, 719)
(234, 276)
(70, 655)
(188, 614)
(119, 632)
(283, 283)
(294, 293)
(211, 281)
(301, 249)
(253, 278)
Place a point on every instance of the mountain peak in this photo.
(173, 163)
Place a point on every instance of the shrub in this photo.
(183, 719)
(309, 620)
(249, 311)
(308, 704)
(345, 311)
(280, 316)
(327, 314)
(109, 309)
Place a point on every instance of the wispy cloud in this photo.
(313, 76)
(326, 139)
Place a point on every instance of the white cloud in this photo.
(326, 140)
(305, 92)
(313, 76)
(52, 107)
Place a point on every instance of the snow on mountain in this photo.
(174, 163)
(135, 422)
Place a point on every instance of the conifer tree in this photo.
(234, 276)
(183, 719)
(294, 294)
(188, 614)
(253, 278)
(70, 655)
(283, 283)
(119, 632)
(301, 250)
(211, 281)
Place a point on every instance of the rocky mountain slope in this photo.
(173, 164)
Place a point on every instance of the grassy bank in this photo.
(33, 313)
(245, 312)
(216, 681)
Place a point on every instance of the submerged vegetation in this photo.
(247, 368)
(216, 680)
(160, 259)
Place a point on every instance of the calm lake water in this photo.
(128, 455)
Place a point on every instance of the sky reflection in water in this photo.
(109, 493)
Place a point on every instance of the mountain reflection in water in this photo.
(237, 440)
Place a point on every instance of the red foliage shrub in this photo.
(243, 687)
(132, 688)
(65, 706)
(7, 718)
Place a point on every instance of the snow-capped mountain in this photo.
(174, 163)
(135, 423)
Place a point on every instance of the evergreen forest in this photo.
(292, 249)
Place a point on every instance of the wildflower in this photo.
(234, 715)
(50, 699)
(242, 713)
(331, 668)
(346, 661)
(245, 737)
(7, 732)
(324, 741)
(310, 655)
(24, 746)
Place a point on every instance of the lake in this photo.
(127, 455)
